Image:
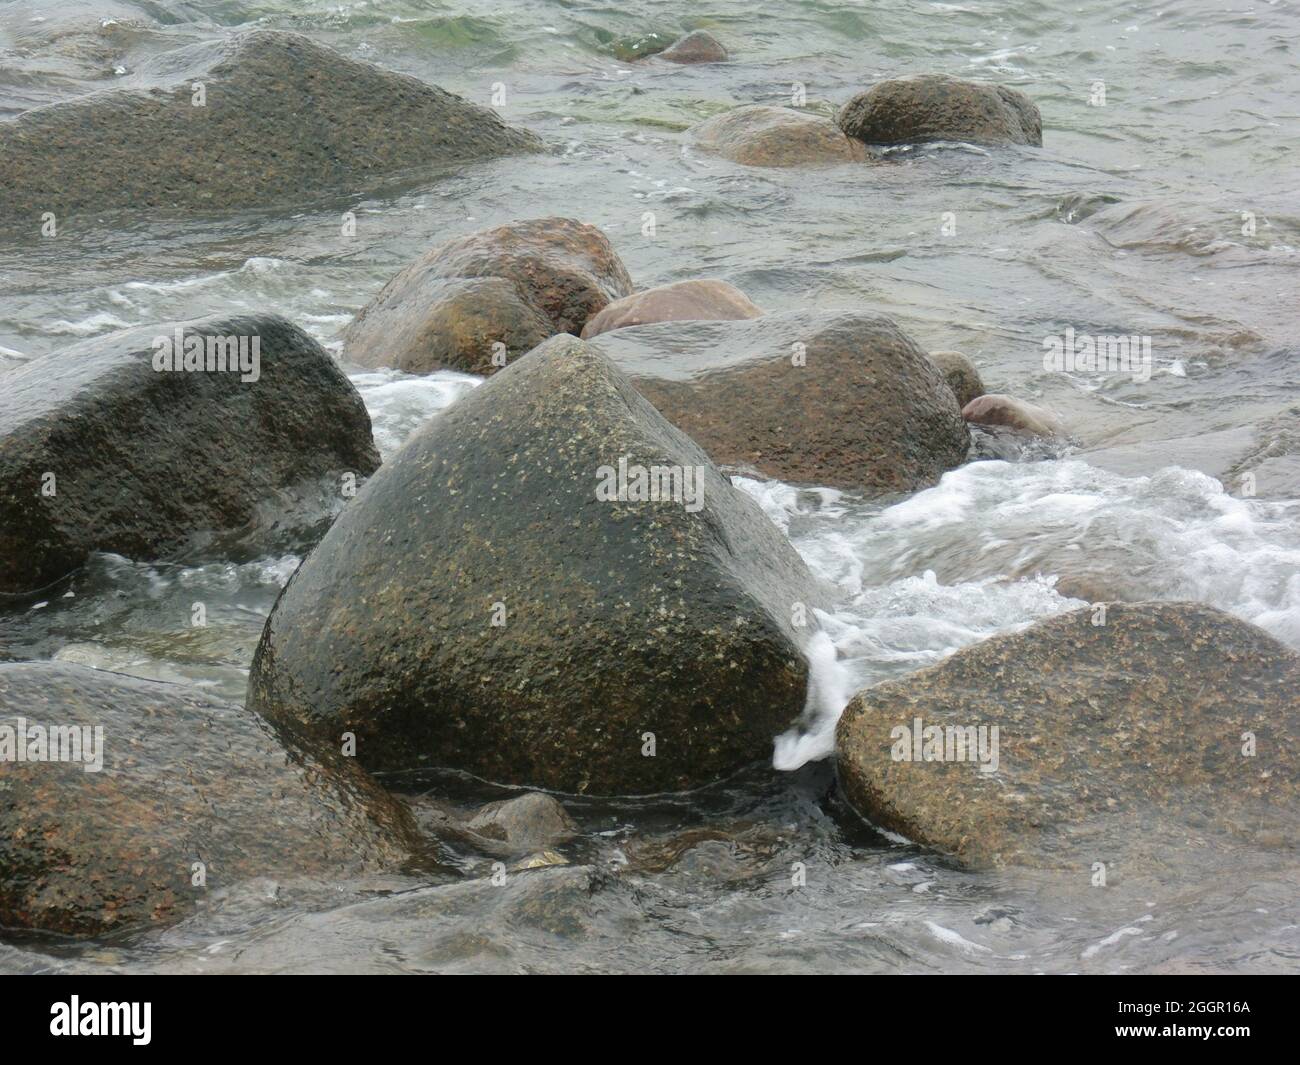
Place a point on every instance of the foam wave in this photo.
(995, 546)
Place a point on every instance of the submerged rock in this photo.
(840, 399)
(699, 46)
(960, 373)
(531, 822)
(1122, 736)
(706, 299)
(996, 409)
(636, 46)
(182, 779)
(758, 135)
(277, 117)
(538, 277)
(489, 604)
(528, 921)
(935, 107)
(100, 451)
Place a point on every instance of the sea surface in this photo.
(1165, 205)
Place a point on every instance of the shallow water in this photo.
(1128, 221)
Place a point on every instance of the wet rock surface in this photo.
(705, 299)
(960, 373)
(421, 323)
(1017, 415)
(285, 116)
(758, 135)
(1122, 743)
(935, 107)
(478, 606)
(699, 46)
(185, 778)
(865, 408)
(536, 278)
(100, 451)
(531, 822)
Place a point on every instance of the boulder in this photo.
(549, 275)
(182, 778)
(280, 117)
(489, 603)
(420, 323)
(706, 299)
(841, 399)
(100, 451)
(935, 107)
(758, 135)
(532, 822)
(699, 46)
(996, 409)
(960, 373)
(1122, 738)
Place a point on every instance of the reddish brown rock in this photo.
(960, 373)
(419, 323)
(181, 795)
(683, 301)
(515, 285)
(777, 136)
(996, 409)
(696, 47)
(841, 399)
(566, 269)
(1135, 735)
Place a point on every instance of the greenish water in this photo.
(1129, 220)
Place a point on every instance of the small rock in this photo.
(1000, 410)
(533, 279)
(960, 373)
(530, 822)
(935, 107)
(698, 46)
(707, 299)
(777, 136)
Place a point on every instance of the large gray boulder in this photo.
(488, 602)
(101, 451)
(479, 301)
(182, 779)
(280, 118)
(1130, 735)
(935, 107)
(841, 399)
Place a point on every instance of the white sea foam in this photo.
(983, 551)
(400, 402)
